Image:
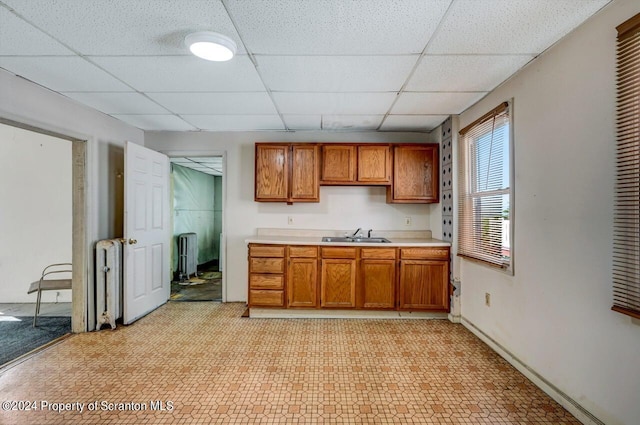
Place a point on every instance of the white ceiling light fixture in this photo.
(211, 46)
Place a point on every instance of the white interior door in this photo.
(147, 284)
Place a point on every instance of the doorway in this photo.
(197, 245)
(43, 175)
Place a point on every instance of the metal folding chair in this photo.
(50, 284)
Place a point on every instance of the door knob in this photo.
(133, 241)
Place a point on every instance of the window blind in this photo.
(484, 189)
(626, 232)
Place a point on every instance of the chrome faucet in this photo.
(369, 233)
(355, 234)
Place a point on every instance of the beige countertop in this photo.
(314, 237)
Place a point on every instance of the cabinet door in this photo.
(338, 284)
(338, 164)
(272, 172)
(302, 277)
(424, 285)
(304, 174)
(377, 284)
(374, 164)
(415, 175)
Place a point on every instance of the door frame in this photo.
(80, 245)
(223, 245)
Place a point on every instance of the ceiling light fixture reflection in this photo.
(211, 46)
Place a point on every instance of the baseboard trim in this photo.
(575, 408)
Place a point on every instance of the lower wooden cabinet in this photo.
(266, 275)
(338, 283)
(338, 277)
(407, 278)
(377, 274)
(302, 277)
(424, 285)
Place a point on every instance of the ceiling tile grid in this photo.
(337, 27)
(223, 103)
(335, 73)
(19, 38)
(334, 65)
(118, 102)
(126, 27)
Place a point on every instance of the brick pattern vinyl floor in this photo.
(216, 367)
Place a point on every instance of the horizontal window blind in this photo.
(484, 189)
(626, 233)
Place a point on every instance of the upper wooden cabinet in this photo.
(374, 164)
(272, 172)
(356, 165)
(415, 174)
(338, 164)
(286, 173)
(293, 172)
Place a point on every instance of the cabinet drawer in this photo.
(439, 253)
(303, 251)
(266, 281)
(266, 298)
(379, 253)
(266, 265)
(266, 251)
(338, 252)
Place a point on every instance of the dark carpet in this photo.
(20, 337)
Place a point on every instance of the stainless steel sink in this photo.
(354, 240)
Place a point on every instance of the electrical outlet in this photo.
(487, 299)
(290, 220)
(407, 221)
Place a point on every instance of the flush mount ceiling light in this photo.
(211, 46)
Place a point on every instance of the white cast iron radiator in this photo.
(108, 282)
(187, 255)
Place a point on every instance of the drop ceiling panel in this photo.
(62, 73)
(412, 122)
(118, 103)
(183, 73)
(337, 26)
(434, 103)
(303, 122)
(125, 27)
(156, 122)
(335, 73)
(460, 73)
(351, 122)
(235, 122)
(509, 26)
(17, 37)
(334, 103)
(216, 103)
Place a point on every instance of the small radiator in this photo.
(108, 282)
(187, 255)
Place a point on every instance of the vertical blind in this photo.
(484, 189)
(626, 233)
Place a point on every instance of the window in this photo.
(485, 190)
(626, 230)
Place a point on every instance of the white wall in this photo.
(554, 314)
(35, 210)
(339, 208)
(28, 103)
